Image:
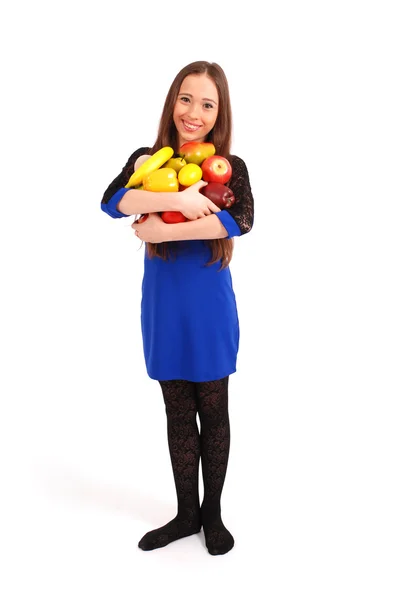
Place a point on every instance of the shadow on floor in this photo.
(74, 488)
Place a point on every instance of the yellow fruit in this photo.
(175, 163)
(151, 164)
(161, 180)
(190, 174)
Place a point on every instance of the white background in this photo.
(312, 493)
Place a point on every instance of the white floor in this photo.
(313, 504)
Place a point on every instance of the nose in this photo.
(194, 111)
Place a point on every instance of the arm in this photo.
(238, 219)
(135, 202)
(119, 201)
(116, 189)
(154, 229)
(206, 228)
(227, 223)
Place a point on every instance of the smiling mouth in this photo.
(191, 127)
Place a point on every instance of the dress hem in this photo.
(192, 379)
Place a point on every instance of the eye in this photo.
(208, 105)
(184, 99)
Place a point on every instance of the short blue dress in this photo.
(189, 317)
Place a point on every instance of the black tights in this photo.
(187, 445)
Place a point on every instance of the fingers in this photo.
(213, 207)
(199, 184)
(134, 225)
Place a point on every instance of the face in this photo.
(196, 108)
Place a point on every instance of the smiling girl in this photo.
(189, 318)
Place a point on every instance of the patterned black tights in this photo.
(183, 399)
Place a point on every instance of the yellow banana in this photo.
(154, 162)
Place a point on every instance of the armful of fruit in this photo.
(197, 165)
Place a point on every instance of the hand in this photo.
(194, 204)
(152, 230)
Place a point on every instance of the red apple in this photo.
(173, 216)
(221, 195)
(216, 169)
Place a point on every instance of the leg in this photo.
(215, 446)
(184, 445)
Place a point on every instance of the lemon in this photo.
(189, 174)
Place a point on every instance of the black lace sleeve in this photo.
(242, 211)
(122, 179)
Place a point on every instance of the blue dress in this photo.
(189, 318)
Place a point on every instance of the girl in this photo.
(189, 316)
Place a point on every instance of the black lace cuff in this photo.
(122, 179)
(242, 210)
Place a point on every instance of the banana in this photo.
(151, 164)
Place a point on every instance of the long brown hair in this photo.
(220, 136)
